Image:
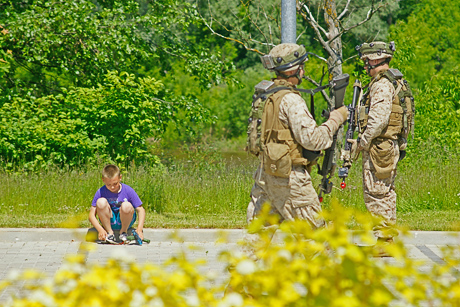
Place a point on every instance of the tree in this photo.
(429, 41)
(427, 52)
(55, 44)
(255, 25)
(71, 69)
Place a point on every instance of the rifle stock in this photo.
(339, 86)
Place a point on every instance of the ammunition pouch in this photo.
(253, 141)
(277, 160)
(363, 114)
(395, 125)
(382, 154)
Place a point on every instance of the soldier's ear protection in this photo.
(370, 67)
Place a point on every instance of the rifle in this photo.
(338, 85)
(352, 124)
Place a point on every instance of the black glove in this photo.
(402, 155)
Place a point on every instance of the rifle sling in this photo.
(276, 89)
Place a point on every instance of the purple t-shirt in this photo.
(115, 199)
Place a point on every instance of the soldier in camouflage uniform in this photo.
(381, 141)
(291, 196)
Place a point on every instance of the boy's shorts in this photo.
(115, 220)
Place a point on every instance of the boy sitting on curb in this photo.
(116, 205)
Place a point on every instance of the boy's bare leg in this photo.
(104, 213)
(126, 215)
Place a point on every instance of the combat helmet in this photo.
(285, 57)
(376, 50)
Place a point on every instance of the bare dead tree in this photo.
(243, 38)
(330, 36)
(265, 19)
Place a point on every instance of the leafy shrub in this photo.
(42, 131)
(309, 268)
(111, 121)
(60, 44)
(5, 58)
(437, 120)
(427, 53)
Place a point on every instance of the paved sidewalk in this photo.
(45, 249)
(17, 235)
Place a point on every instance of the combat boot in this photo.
(380, 248)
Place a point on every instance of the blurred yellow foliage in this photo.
(294, 265)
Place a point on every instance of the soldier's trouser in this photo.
(290, 198)
(380, 197)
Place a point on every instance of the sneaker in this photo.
(123, 237)
(111, 239)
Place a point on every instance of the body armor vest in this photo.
(265, 127)
(402, 109)
(276, 132)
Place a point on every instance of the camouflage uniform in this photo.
(295, 197)
(379, 194)
(380, 149)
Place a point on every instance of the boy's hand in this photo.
(102, 235)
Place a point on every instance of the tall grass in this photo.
(427, 187)
(204, 190)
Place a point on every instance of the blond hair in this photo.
(110, 171)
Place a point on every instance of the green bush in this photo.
(112, 121)
(438, 112)
(427, 53)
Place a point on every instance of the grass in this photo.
(207, 191)
(435, 220)
(203, 193)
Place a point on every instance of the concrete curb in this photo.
(433, 238)
(155, 235)
(200, 235)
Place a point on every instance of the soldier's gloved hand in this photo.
(340, 114)
(355, 149)
(345, 155)
(336, 118)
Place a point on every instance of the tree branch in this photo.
(345, 10)
(310, 19)
(245, 45)
(369, 15)
(323, 92)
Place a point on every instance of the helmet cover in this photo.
(376, 50)
(285, 57)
